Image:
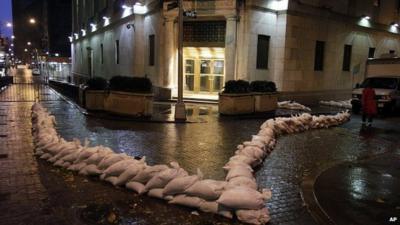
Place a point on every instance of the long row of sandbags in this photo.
(237, 195)
(169, 182)
(340, 104)
(292, 105)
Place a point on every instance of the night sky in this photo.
(5, 16)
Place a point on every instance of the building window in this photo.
(151, 50)
(371, 52)
(116, 51)
(262, 51)
(319, 56)
(346, 58)
(101, 53)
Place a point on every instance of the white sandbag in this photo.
(149, 172)
(156, 193)
(214, 207)
(86, 153)
(119, 167)
(242, 198)
(130, 172)
(242, 181)
(97, 157)
(206, 189)
(66, 164)
(46, 156)
(165, 176)
(90, 170)
(110, 160)
(135, 186)
(59, 162)
(111, 179)
(243, 159)
(71, 157)
(267, 132)
(189, 201)
(256, 217)
(253, 152)
(239, 171)
(180, 184)
(235, 163)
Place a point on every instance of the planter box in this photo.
(94, 99)
(236, 104)
(127, 103)
(265, 102)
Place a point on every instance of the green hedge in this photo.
(97, 83)
(131, 84)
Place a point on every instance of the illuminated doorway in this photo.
(204, 71)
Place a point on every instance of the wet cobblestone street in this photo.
(34, 192)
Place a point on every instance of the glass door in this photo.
(189, 74)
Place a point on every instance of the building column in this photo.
(169, 53)
(139, 46)
(230, 48)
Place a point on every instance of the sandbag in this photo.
(180, 184)
(110, 160)
(156, 193)
(91, 170)
(135, 186)
(189, 201)
(239, 171)
(149, 172)
(162, 178)
(131, 171)
(242, 181)
(206, 189)
(242, 198)
(118, 168)
(214, 207)
(256, 217)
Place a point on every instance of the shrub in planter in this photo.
(131, 84)
(95, 93)
(236, 98)
(96, 83)
(130, 96)
(262, 86)
(265, 97)
(236, 87)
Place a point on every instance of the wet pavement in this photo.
(365, 192)
(33, 187)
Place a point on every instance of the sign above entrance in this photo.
(192, 14)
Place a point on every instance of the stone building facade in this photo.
(310, 48)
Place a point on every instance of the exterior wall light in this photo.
(94, 27)
(140, 9)
(127, 10)
(365, 17)
(70, 38)
(28, 43)
(106, 20)
(56, 55)
(25, 50)
(8, 24)
(12, 37)
(394, 24)
(83, 32)
(76, 36)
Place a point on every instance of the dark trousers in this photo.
(365, 116)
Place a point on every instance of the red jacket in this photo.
(368, 101)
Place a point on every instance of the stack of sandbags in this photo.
(171, 183)
(341, 104)
(237, 194)
(292, 105)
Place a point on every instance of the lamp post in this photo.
(180, 109)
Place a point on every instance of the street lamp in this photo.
(32, 21)
(180, 109)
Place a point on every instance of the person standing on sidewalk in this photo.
(368, 104)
